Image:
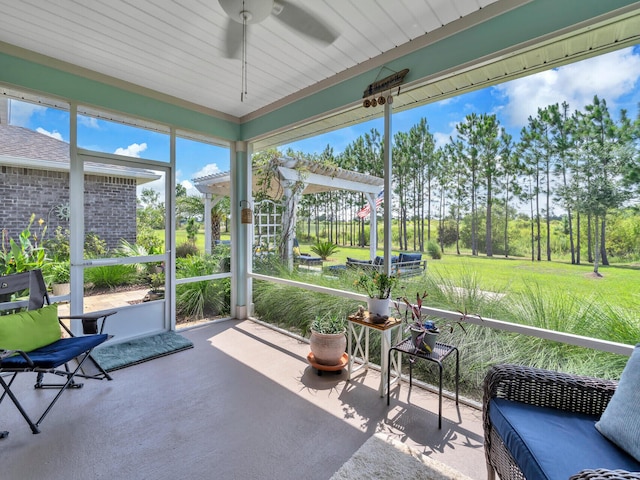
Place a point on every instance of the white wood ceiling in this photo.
(175, 47)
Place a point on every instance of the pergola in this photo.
(293, 178)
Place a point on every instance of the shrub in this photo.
(207, 297)
(434, 250)
(111, 276)
(294, 308)
(94, 246)
(192, 230)
(270, 264)
(186, 250)
(147, 237)
(58, 247)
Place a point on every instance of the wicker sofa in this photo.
(552, 404)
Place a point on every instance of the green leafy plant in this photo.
(94, 246)
(57, 247)
(111, 275)
(56, 272)
(329, 323)
(146, 237)
(422, 325)
(324, 249)
(25, 254)
(157, 281)
(376, 284)
(192, 230)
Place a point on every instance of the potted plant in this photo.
(378, 287)
(424, 331)
(58, 275)
(328, 340)
(157, 287)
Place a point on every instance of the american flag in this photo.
(366, 210)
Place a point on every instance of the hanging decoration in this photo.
(379, 92)
(246, 214)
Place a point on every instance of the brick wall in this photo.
(110, 203)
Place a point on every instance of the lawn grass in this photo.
(619, 284)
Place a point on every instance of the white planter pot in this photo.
(59, 289)
(328, 348)
(379, 306)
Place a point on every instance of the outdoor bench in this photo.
(541, 424)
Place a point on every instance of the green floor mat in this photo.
(121, 355)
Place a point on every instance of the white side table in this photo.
(358, 346)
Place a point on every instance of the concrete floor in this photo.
(243, 404)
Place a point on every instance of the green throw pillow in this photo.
(29, 330)
(620, 421)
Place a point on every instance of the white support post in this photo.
(387, 187)
(373, 226)
(207, 222)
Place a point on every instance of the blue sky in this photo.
(613, 76)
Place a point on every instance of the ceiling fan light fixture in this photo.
(258, 10)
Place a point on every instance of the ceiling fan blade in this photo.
(304, 22)
(233, 39)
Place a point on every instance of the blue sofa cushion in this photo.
(380, 260)
(410, 257)
(620, 421)
(355, 261)
(548, 443)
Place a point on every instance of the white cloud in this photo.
(443, 138)
(132, 150)
(208, 169)
(191, 190)
(55, 134)
(608, 76)
(90, 122)
(157, 185)
(20, 112)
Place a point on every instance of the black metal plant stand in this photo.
(439, 353)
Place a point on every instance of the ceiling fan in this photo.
(247, 12)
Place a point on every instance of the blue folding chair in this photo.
(30, 341)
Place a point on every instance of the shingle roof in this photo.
(24, 143)
(19, 142)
